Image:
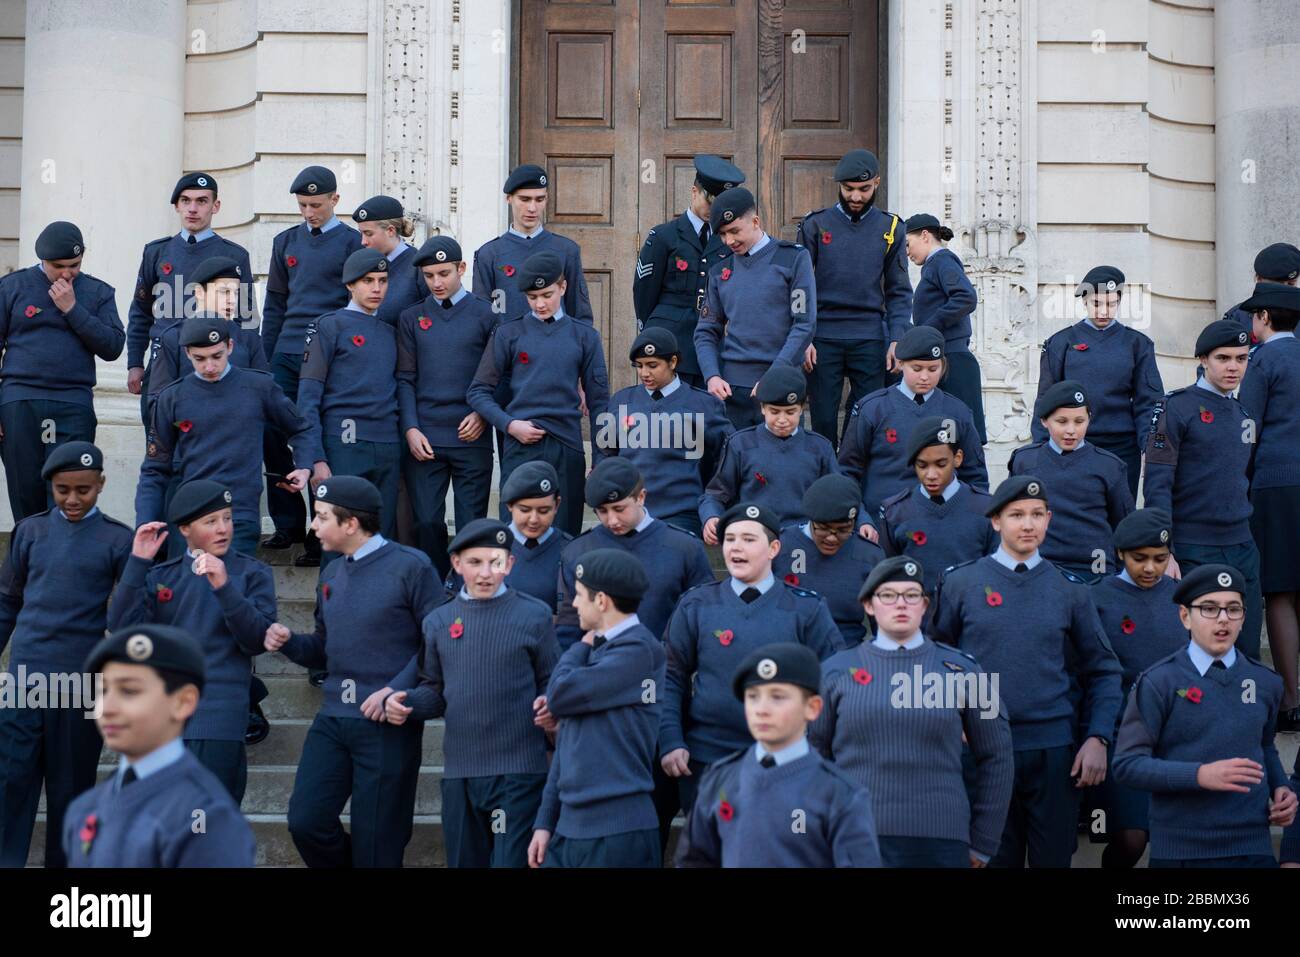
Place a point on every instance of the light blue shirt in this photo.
(1202, 659)
(501, 590)
(89, 514)
(667, 390)
(559, 314)
(889, 644)
(224, 372)
(849, 216)
(201, 235)
(400, 248)
(696, 223)
(458, 295)
(1203, 383)
(951, 489)
(522, 539)
(372, 544)
(911, 396)
(153, 762)
(646, 519)
(333, 221)
(1051, 444)
(739, 586)
(787, 754)
(628, 623)
(1003, 558)
(762, 241)
(790, 436)
(1278, 335)
(930, 254)
(533, 235)
(1124, 576)
(352, 305)
(1110, 325)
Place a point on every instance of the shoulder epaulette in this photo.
(954, 650)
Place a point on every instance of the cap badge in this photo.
(936, 351)
(542, 179)
(853, 512)
(312, 187)
(648, 348)
(728, 185)
(728, 216)
(539, 282)
(792, 397)
(362, 214)
(1078, 397)
(321, 491)
(213, 335)
(381, 265)
(612, 496)
(202, 181)
(1032, 488)
(87, 458)
(139, 647)
(441, 255)
(1224, 579)
(1164, 535)
(544, 485)
(577, 572)
(501, 537)
(1241, 337)
(226, 496)
(751, 512)
(766, 669)
(910, 568)
(76, 250)
(1110, 285)
(942, 436)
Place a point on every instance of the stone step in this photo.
(284, 744)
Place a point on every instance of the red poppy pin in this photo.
(425, 323)
(523, 358)
(725, 810)
(919, 538)
(726, 273)
(508, 270)
(358, 341)
(185, 425)
(325, 592)
(1192, 694)
(792, 579)
(167, 269)
(89, 828)
(826, 239)
(891, 436)
(30, 311)
(1206, 415)
(291, 261)
(724, 637)
(993, 598)
(1128, 625)
(630, 421)
(1081, 347)
(457, 628)
(861, 675)
(164, 593)
(760, 478)
(682, 265)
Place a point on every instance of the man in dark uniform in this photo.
(1279, 262)
(672, 270)
(864, 295)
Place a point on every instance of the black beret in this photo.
(1204, 579)
(832, 498)
(730, 205)
(749, 512)
(1100, 279)
(654, 342)
(1272, 295)
(1144, 528)
(612, 479)
(716, 175)
(857, 166)
(438, 249)
(535, 479)
(782, 385)
(614, 571)
(539, 271)
(1280, 261)
(59, 240)
(928, 432)
(900, 568)
(528, 176)
(362, 263)
(1066, 394)
(920, 342)
(214, 268)
(1013, 489)
(351, 492)
(314, 181)
(194, 181)
(72, 457)
(196, 499)
(161, 647)
(205, 329)
(782, 662)
(1221, 332)
(481, 533)
(919, 221)
(379, 207)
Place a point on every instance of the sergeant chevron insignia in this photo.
(644, 269)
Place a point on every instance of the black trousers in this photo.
(468, 472)
(228, 760)
(375, 764)
(57, 747)
(32, 430)
(1043, 817)
(1126, 447)
(570, 465)
(287, 509)
(488, 822)
(741, 408)
(963, 381)
(862, 362)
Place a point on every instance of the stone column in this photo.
(1257, 124)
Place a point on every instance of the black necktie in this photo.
(657, 394)
(629, 533)
(750, 595)
(597, 642)
(919, 399)
(1219, 664)
(704, 235)
(191, 240)
(531, 542)
(548, 320)
(1022, 567)
(767, 761)
(447, 303)
(937, 499)
(315, 230)
(129, 777)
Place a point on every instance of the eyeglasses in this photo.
(887, 597)
(1211, 610)
(839, 531)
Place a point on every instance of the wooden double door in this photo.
(615, 97)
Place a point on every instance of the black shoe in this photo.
(1288, 722)
(317, 678)
(281, 540)
(258, 726)
(310, 558)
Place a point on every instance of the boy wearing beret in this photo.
(672, 270)
(714, 626)
(1116, 365)
(208, 426)
(369, 610)
(1198, 455)
(673, 433)
(1023, 620)
(145, 815)
(1079, 536)
(54, 591)
(1277, 263)
(546, 357)
(825, 555)
(165, 286)
(597, 809)
(384, 226)
(1198, 734)
(55, 320)
(303, 282)
(779, 803)
(224, 599)
(772, 463)
(486, 660)
(940, 521)
(864, 295)
(876, 437)
(498, 261)
(760, 309)
(347, 390)
(439, 344)
(899, 710)
(1140, 618)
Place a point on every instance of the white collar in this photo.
(787, 754)
(1205, 384)
(627, 624)
(739, 586)
(1051, 443)
(885, 643)
(762, 241)
(667, 390)
(911, 396)
(533, 235)
(1003, 557)
(1202, 660)
(696, 222)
